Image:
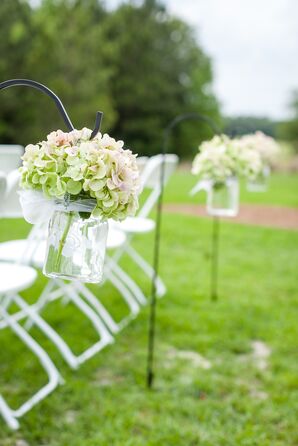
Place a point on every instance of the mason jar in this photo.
(260, 183)
(76, 246)
(223, 198)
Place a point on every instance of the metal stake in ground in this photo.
(214, 257)
(152, 316)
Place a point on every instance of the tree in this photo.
(68, 55)
(288, 130)
(138, 64)
(15, 40)
(242, 125)
(160, 72)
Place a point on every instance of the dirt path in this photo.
(250, 214)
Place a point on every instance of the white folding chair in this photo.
(32, 251)
(22, 252)
(11, 207)
(10, 157)
(141, 224)
(2, 189)
(141, 162)
(128, 288)
(14, 279)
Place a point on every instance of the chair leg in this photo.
(7, 414)
(48, 331)
(134, 307)
(128, 297)
(73, 360)
(98, 306)
(105, 336)
(131, 284)
(11, 415)
(147, 268)
(42, 301)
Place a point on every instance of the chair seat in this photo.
(15, 278)
(136, 225)
(17, 250)
(115, 239)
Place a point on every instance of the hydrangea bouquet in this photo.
(266, 149)
(71, 163)
(85, 182)
(262, 144)
(222, 158)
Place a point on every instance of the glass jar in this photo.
(260, 183)
(76, 247)
(223, 198)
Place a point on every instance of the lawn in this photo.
(283, 190)
(226, 371)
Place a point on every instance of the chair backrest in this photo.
(151, 178)
(141, 162)
(2, 190)
(10, 157)
(11, 207)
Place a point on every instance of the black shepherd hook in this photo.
(152, 317)
(51, 94)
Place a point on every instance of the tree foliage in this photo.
(288, 130)
(14, 47)
(137, 63)
(243, 125)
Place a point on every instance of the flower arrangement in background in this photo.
(215, 160)
(71, 163)
(222, 158)
(246, 157)
(258, 145)
(248, 161)
(264, 145)
(217, 166)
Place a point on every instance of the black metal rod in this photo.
(97, 124)
(152, 317)
(214, 258)
(56, 99)
(158, 221)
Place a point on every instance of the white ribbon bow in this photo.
(37, 208)
(201, 185)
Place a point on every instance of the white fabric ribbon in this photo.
(205, 185)
(37, 208)
(3, 184)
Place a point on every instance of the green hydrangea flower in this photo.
(72, 163)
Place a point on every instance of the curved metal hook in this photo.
(51, 94)
(98, 119)
(194, 116)
(44, 89)
(187, 117)
(152, 317)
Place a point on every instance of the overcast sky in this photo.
(254, 48)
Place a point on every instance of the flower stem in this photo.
(63, 239)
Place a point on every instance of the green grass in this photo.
(283, 190)
(232, 403)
